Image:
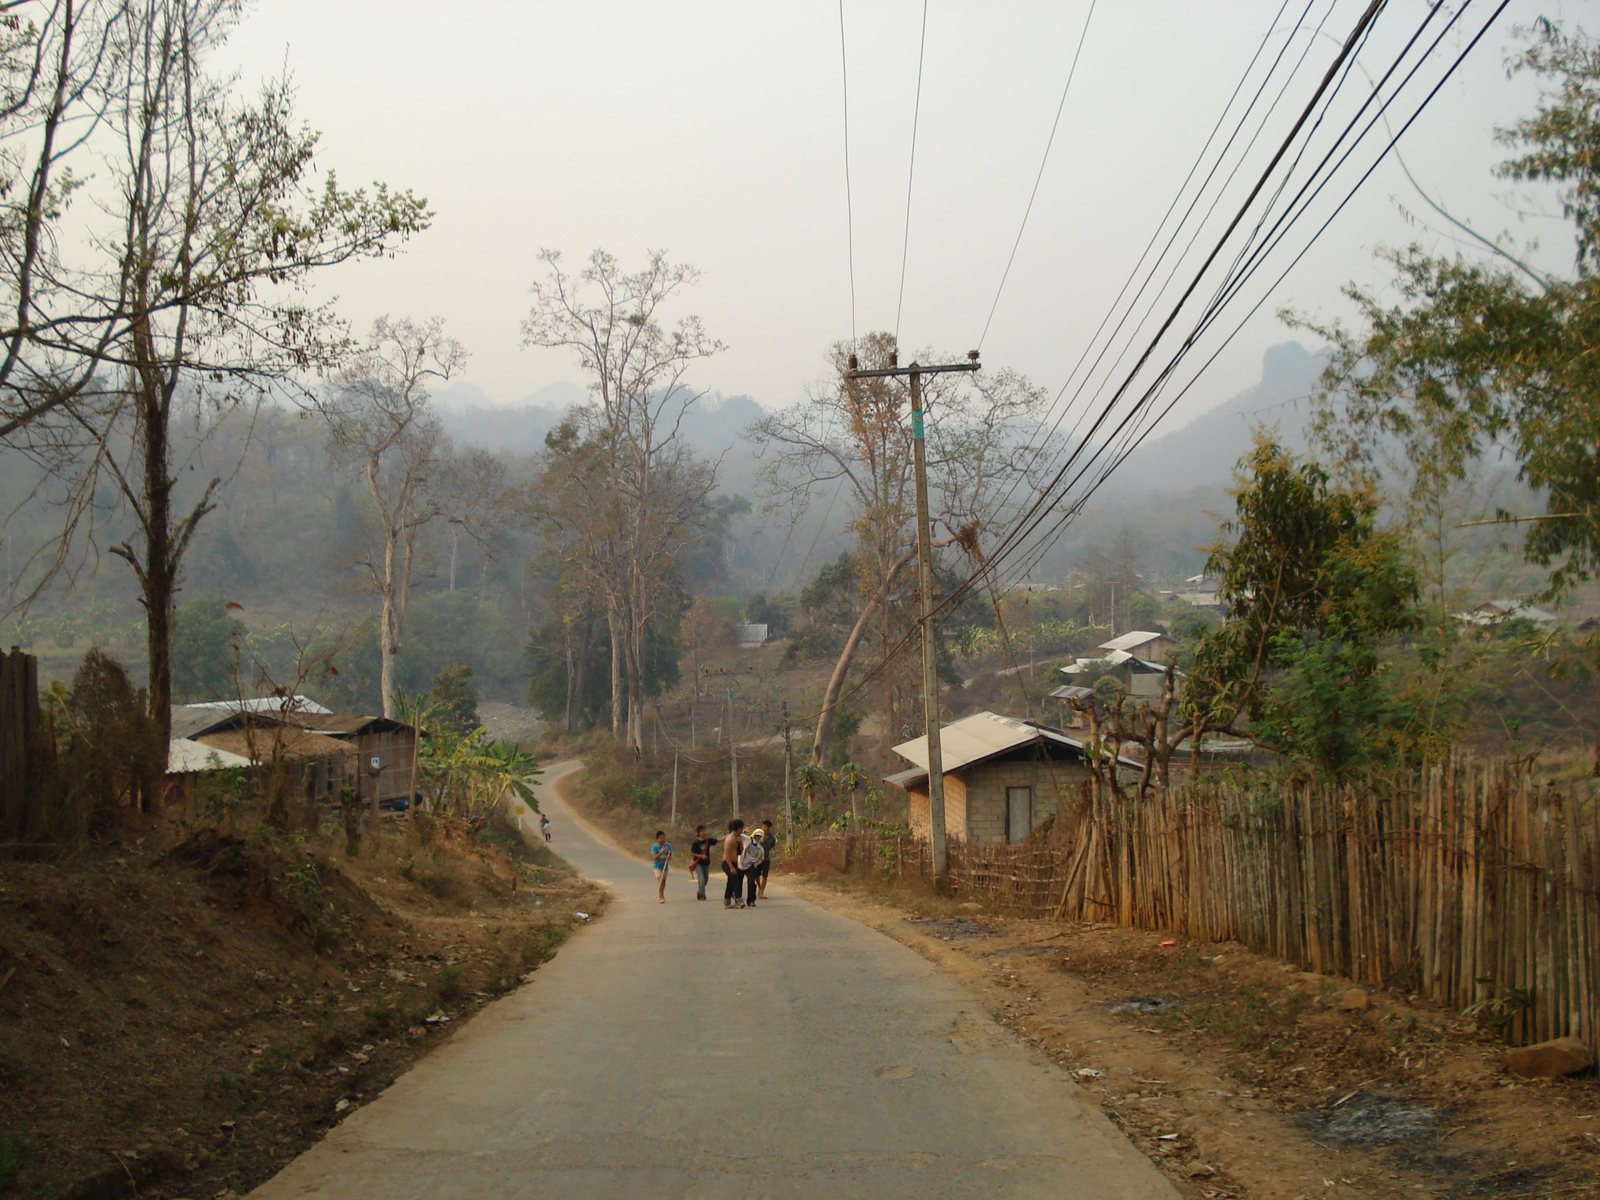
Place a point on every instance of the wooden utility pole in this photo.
(788, 799)
(733, 753)
(930, 653)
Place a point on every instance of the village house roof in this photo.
(1132, 641)
(291, 744)
(750, 635)
(977, 739)
(341, 725)
(185, 757)
(1071, 691)
(905, 780)
(1117, 658)
(262, 704)
(191, 722)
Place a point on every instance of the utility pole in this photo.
(673, 823)
(930, 659)
(788, 799)
(733, 753)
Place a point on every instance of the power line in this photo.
(1250, 260)
(1128, 430)
(1233, 288)
(849, 208)
(1033, 518)
(1155, 235)
(911, 171)
(1049, 142)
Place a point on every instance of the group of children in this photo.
(745, 857)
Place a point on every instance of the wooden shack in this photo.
(1002, 777)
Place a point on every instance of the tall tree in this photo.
(187, 277)
(858, 436)
(646, 496)
(380, 420)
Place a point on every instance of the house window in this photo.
(1019, 813)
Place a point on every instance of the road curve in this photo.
(681, 1050)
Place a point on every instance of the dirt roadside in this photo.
(1243, 1077)
(184, 1011)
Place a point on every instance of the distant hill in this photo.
(519, 428)
(713, 425)
(1173, 490)
(556, 396)
(1204, 451)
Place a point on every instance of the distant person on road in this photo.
(544, 827)
(700, 860)
(732, 850)
(750, 862)
(768, 845)
(660, 856)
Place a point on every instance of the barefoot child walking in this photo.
(660, 856)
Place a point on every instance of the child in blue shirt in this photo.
(660, 856)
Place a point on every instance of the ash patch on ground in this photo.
(1145, 1004)
(1370, 1120)
(950, 929)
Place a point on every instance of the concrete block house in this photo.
(1002, 777)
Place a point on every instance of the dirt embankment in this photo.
(184, 1011)
(1241, 1076)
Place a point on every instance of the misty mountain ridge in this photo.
(1204, 451)
(713, 425)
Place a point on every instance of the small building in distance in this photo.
(321, 750)
(187, 761)
(750, 636)
(1498, 612)
(1002, 777)
(314, 766)
(1139, 658)
(1071, 717)
(383, 751)
(1141, 643)
(1198, 591)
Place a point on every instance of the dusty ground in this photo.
(182, 1011)
(1242, 1076)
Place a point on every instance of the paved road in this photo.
(827, 1061)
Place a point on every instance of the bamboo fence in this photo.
(1473, 884)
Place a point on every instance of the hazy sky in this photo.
(715, 131)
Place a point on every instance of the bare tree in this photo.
(472, 494)
(859, 434)
(649, 493)
(381, 422)
(183, 277)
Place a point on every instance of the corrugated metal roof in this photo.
(263, 704)
(1071, 691)
(975, 738)
(1130, 641)
(184, 756)
(341, 724)
(904, 779)
(189, 722)
(750, 635)
(986, 735)
(1117, 658)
